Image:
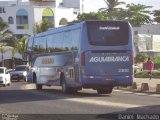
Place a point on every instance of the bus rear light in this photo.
(83, 58)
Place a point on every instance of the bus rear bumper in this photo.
(103, 81)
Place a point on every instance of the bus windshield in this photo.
(109, 33)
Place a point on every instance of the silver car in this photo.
(20, 73)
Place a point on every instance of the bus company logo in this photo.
(47, 60)
(109, 28)
(110, 59)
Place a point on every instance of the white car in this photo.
(5, 78)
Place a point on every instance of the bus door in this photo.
(73, 66)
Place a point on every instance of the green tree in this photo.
(43, 26)
(112, 8)
(21, 46)
(138, 14)
(90, 16)
(6, 36)
(140, 58)
(156, 14)
(156, 60)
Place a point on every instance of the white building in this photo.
(147, 39)
(22, 15)
(150, 29)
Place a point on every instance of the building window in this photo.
(48, 14)
(22, 19)
(10, 20)
(63, 21)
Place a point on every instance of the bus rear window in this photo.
(108, 33)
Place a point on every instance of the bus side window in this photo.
(30, 44)
(50, 43)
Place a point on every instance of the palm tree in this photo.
(112, 7)
(156, 14)
(6, 38)
(43, 26)
(20, 46)
(4, 49)
(138, 14)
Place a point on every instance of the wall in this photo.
(11, 11)
(153, 29)
(59, 14)
(35, 15)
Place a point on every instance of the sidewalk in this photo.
(151, 83)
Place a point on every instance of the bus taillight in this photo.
(83, 57)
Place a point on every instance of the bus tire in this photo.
(65, 89)
(38, 87)
(34, 78)
(105, 90)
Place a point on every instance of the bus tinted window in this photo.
(39, 45)
(58, 42)
(67, 41)
(50, 43)
(30, 43)
(63, 41)
(75, 39)
(109, 33)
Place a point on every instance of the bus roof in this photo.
(69, 27)
(60, 29)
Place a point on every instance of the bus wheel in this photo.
(105, 90)
(65, 89)
(38, 87)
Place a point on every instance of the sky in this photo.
(96, 4)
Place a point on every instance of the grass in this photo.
(143, 74)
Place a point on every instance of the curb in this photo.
(144, 88)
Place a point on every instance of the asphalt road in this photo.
(22, 98)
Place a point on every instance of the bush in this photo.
(156, 60)
(143, 74)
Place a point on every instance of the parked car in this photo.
(5, 78)
(20, 73)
